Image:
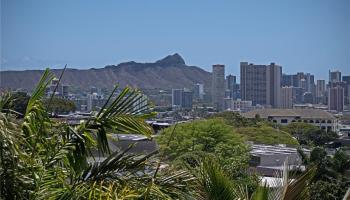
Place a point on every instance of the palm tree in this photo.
(44, 159)
(214, 183)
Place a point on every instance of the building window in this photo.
(317, 121)
(284, 121)
(311, 121)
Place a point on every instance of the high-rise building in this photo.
(230, 82)
(198, 91)
(176, 98)
(320, 88)
(218, 87)
(346, 79)
(302, 84)
(336, 98)
(65, 90)
(286, 97)
(230, 85)
(334, 76)
(321, 94)
(290, 96)
(346, 88)
(182, 99)
(95, 101)
(54, 87)
(287, 80)
(295, 80)
(310, 83)
(301, 79)
(308, 97)
(261, 84)
(237, 92)
(187, 99)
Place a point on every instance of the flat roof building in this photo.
(316, 117)
(336, 99)
(261, 84)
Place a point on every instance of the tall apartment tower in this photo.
(218, 87)
(230, 82)
(187, 99)
(230, 85)
(320, 88)
(346, 79)
(336, 98)
(290, 96)
(176, 98)
(261, 84)
(198, 91)
(286, 97)
(334, 76)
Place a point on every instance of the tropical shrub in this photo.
(44, 159)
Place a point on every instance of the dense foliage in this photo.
(234, 119)
(266, 135)
(308, 134)
(329, 181)
(256, 130)
(18, 102)
(59, 105)
(211, 137)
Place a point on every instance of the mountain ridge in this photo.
(167, 73)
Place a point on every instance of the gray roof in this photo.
(302, 113)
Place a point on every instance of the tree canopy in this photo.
(59, 105)
(266, 135)
(211, 137)
(18, 102)
(308, 134)
(256, 130)
(329, 181)
(234, 119)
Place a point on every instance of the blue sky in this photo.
(301, 35)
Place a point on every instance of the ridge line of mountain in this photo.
(167, 73)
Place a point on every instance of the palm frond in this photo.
(116, 163)
(213, 183)
(347, 195)
(298, 189)
(39, 91)
(261, 193)
(285, 188)
(125, 114)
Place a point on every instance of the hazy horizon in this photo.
(310, 36)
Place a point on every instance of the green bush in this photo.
(266, 135)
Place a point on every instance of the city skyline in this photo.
(301, 36)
